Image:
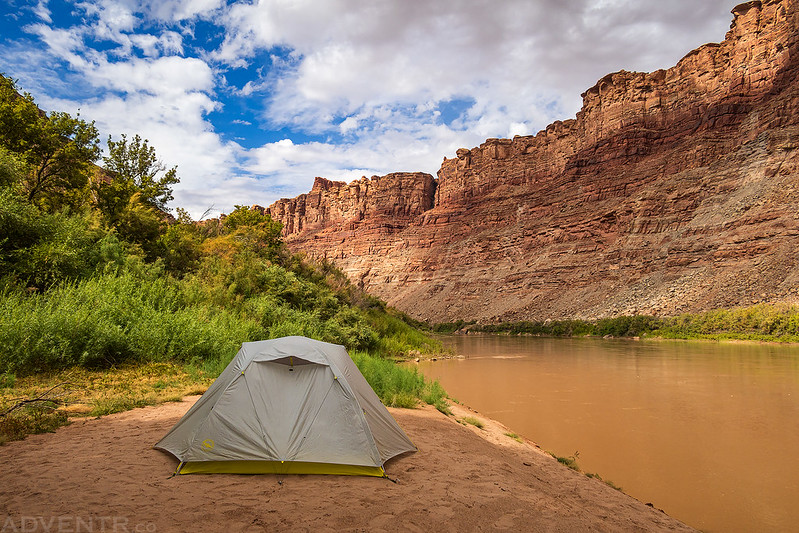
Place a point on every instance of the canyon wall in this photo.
(671, 191)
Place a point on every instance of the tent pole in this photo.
(177, 470)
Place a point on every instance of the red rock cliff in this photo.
(390, 201)
(671, 191)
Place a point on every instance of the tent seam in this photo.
(255, 410)
(308, 429)
(361, 414)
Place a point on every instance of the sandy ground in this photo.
(103, 475)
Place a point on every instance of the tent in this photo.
(287, 406)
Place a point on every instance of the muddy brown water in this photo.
(708, 432)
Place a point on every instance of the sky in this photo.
(252, 100)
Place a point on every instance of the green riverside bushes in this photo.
(762, 322)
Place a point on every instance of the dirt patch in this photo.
(105, 472)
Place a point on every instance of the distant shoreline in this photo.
(762, 323)
(627, 338)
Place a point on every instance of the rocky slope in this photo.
(671, 191)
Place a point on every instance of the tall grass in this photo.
(137, 317)
(32, 419)
(111, 320)
(398, 385)
(397, 338)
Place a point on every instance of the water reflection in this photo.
(706, 431)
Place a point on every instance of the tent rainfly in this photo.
(287, 406)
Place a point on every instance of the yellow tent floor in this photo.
(278, 467)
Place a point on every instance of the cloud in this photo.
(378, 73)
(179, 10)
(66, 44)
(111, 19)
(42, 11)
(167, 76)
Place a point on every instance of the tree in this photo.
(135, 169)
(62, 160)
(249, 231)
(58, 149)
(18, 113)
(245, 216)
(181, 245)
(11, 169)
(142, 224)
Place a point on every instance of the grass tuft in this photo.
(514, 436)
(473, 421)
(570, 461)
(124, 402)
(607, 482)
(7, 380)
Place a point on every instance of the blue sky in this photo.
(252, 100)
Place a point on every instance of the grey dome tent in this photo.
(291, 405)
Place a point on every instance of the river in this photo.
(708, 432)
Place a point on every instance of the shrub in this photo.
(43, 249)
(41, 417)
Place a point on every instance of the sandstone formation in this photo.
(671, 191)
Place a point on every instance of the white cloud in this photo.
(42, 11)
(348, 124)
(66, 44)
(518, 128)
(178, 10)
(112, 18)
(167, 76)
(169, 42)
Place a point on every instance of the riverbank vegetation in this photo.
(571, 462)
(761, 322)
(109, 301)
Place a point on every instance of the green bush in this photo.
(476, 422)
(622, 326)
(759, 322)
(435, 395)
(7, 380)
(42, 249)
(395, 337)
(11, 169)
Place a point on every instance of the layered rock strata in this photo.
(671, 191)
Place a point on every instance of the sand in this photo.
(103, 475)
